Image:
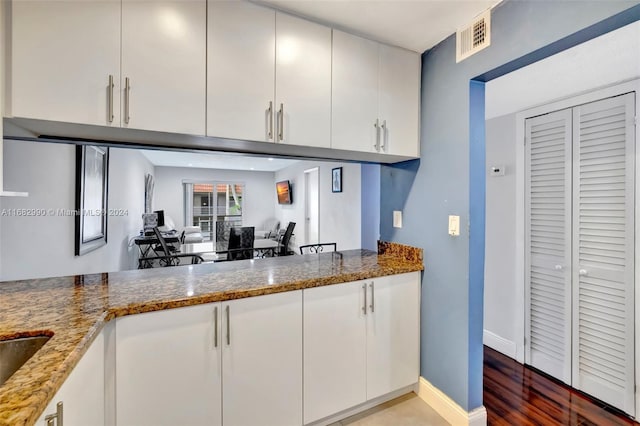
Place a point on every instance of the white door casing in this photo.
(312, 206)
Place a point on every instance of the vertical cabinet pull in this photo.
(127, 95)
(110, 100)
(383, 130)
(281, 123)
(364, 306)
(270, 134)
(372, 306)
(377, 144)
(57, 418)
(228, 327)
(215, 327)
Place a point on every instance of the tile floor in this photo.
(407, 410)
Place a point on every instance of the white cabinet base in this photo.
(365, 406)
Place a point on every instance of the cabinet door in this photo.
(262, 360)
(354, 101)
(82, 394)
(164, 58)
(303, 82)
(168, 367)
(62, 54)
(393, 333)
(334, 349)
(240, 70)
(399, 101)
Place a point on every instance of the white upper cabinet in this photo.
(399, 101)
(375, 97)
(164, 65)
(303, 82)
(354, 108)
(241, 71)
(63, 56)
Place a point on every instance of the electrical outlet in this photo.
(397, 218)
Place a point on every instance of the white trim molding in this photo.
(448, 408)
(499, 343)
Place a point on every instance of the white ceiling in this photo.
(416, 25)
(224, 161)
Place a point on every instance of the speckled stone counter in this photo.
(73, 310)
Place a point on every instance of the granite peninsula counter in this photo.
(73, 310)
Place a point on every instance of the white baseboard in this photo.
(448, 408)
(500, 344)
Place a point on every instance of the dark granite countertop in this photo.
(74, 309)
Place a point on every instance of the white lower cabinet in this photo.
(262, 360)
(82, 394)
(168, 367)
(233, 363)
(361, 341)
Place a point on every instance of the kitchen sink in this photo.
(15, 352)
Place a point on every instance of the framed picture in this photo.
(336, 179)
(92, 177)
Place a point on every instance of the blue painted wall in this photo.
(370, 206)
(449, 179)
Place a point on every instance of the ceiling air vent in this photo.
(474, 37)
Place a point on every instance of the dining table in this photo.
(211, 250)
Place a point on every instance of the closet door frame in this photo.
(520, 267)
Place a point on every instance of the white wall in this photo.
(43, 246)
(500, 242)
(601, 62)
(259, 191)
(340, 212)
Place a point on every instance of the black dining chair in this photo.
(241, 243)
(166, 256)
(283, 245)
(317, 248)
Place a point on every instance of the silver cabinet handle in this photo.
(228, 327)
(281, 124)
(57, 418)
(364, 306)
(383, 130)
(215, 327)
(127, 95)
(372, 306)
(110, 99)
(583, 272)
(558, 267)
(270, 134)
(377, 144)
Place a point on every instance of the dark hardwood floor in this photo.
(518, 395)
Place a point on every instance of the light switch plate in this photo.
(397, 218)
(454, 225)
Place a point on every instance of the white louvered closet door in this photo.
(603, 255)
(548, 245)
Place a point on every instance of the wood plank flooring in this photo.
(518, 395)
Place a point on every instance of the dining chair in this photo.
(241, 243)
(317, 248)
(283, 246)
(168, 257)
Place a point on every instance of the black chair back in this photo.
(283, 248)
(317, 248)
(164, 247)
(241, 243)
